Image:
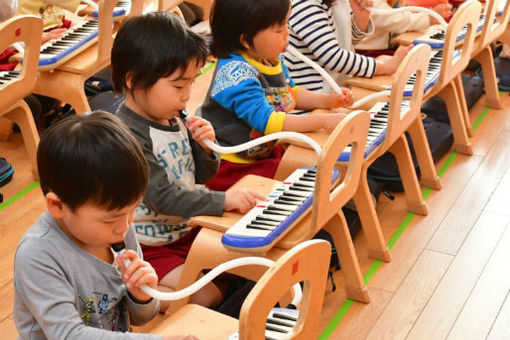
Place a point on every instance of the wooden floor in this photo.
(450, 274)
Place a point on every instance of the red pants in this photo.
(229, 172)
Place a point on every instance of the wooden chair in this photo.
(26, 29)
(306, 262)
(396, 143)
(325, 213)
(495, 26)
(206, 5)
(449, 87)
(66, 82)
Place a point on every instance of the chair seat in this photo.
(200, 321)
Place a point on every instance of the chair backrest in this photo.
(495, 23)
(136, 8)
(105, 31)
(27, 29)
(307, 262)
(468, 15)
(352, 130)
(415, 62)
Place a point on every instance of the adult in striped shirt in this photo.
(313, 33)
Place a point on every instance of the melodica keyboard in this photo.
(72, 42)
(435, 36)
(270, 220)
(433, 72)
(7, 77)
(377, 128)
(122, 9)
(279, 324)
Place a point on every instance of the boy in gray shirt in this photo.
(69, 284)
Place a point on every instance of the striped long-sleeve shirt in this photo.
(312, 32)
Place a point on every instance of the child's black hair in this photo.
(153, 46)
(92, 158)
(233, 20)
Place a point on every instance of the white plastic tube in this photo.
(278, 135)
(410, 8)
(91, 3)
(243, 261)
(317, 68)
(250, 144)
(370, 97)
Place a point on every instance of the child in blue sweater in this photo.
(252, 93)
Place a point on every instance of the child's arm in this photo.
(307, 24)
(309, 100)
(360, 15)
(313, 122)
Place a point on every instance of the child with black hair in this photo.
(69, 284)
(155, 59)
(252, 94)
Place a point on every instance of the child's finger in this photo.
(257, 195)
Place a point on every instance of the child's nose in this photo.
(122, 224)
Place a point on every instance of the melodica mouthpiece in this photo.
(118, 246)
(184, 115)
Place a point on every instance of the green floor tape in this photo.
(337, 318)
(19, 195)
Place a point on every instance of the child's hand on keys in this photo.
(241, 200)
(138, 273)
(344, 99)
(200, 129)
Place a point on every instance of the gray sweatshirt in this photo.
(63, 292)
(177, 165)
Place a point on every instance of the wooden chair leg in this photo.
(459, 87)
(22, 116)
(72, 92)
(5, 129)
(415, 202)
(354, 284)
(429, 177)
(461, 141)
(486, 59)
(377, 248)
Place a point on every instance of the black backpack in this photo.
(384, 170)
(435, 107)
(6, 172)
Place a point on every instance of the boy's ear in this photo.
(54, 205)
(244, 42)
(129, 81)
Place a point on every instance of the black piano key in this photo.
(280, 322)
(284, 202)
(291, 195)
(285, 316)
(293, 187)
(256, 227)
(273, 208)
(267, 219)
(275, 329)
(304, 185)
(272, 212)
(254, 222)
